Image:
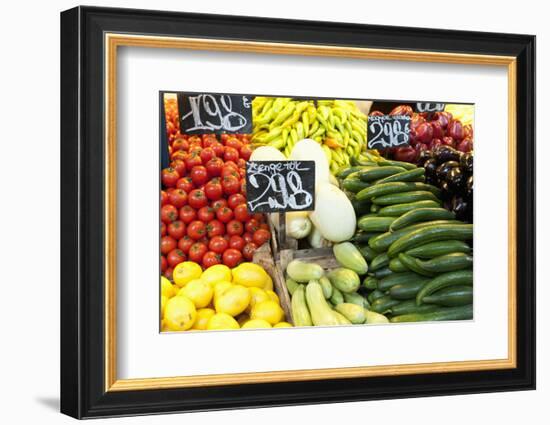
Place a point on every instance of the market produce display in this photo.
(219, 298)
(428, 131)
(203, 212)
(338, 126)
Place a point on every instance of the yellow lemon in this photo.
(257, 295)
(185, 272)
(216, 273)
(268, 310)
(272, 295)
(250, 274)
(233, 301)
(166, 288)
(163, 299)
(282, 325)
(221, 288)
(256, 324)
(269, 283)
(197, 291)
(203, 316)
(221, 321)
(179, 313)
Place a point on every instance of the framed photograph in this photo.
(261, 212)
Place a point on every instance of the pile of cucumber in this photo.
(420, 262)
(332, 297)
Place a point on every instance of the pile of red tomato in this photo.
(203, 213)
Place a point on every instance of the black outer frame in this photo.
(82, 206)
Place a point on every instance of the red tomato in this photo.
(167, 244)
(163, 263)
(209, 141)
(179, 156)
(180, 144)
(214, 167)
(185, 243)
(197, 251)
(220, 203)
(206, 214)
(195, 140)
(230, 154)
(218, 149)
(179, 166)
(176, 229)
(230, 185)
(185, 183)
(252, 225)
(197, 199)
(175, 257)
(259, 217)
(207, 154)
(233, 143)
(234, 227)
(215, 228)
(213, 189)
(235, 199)
(196, 230)
(224, 214)
(243, 187)
(231, 257)
(241, 212)
(218, 244)
(168, 273)
(245, 152)
(230, 170)
(211, 259)
(248, 250)
(178, 198)
(193, 159)
(163, 198)
(264, 226)
(199, 175)
(237, 242)
(169, 177)
(241, 163)
(187, 214)
(168, 213)
(247, 236)
(261, 236)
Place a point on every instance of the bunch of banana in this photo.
(337, 125)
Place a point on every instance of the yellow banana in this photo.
(305, 123)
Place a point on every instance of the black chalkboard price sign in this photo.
(215, 113)
(280, 186)
(388, 131)
(429, 107)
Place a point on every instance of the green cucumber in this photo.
(453, 296)
(345, 171)
(354, 185)
(381, 260)
(409, 307)
(326, 286)
(374, 295)
(385, 189)
(383, 304)
(370, 223)
(447, 263)
(367, 252)
(355, 298)
(360, 207)
(370, 282)
(461, 277)
(386, 283)
(355, 161)
(432, 233)
(400, 209)
(406, 290)
(383, 241)
(388, 162)
(416, 174)
(362, 238)
(374, 208)
(435, 249)
(420, 215)
(411, 264)
(403, 197)
(376, 173)
(397, 266)
(337, 297)
(382, 273)
(444, 313)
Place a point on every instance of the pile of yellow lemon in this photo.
(219, 298)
